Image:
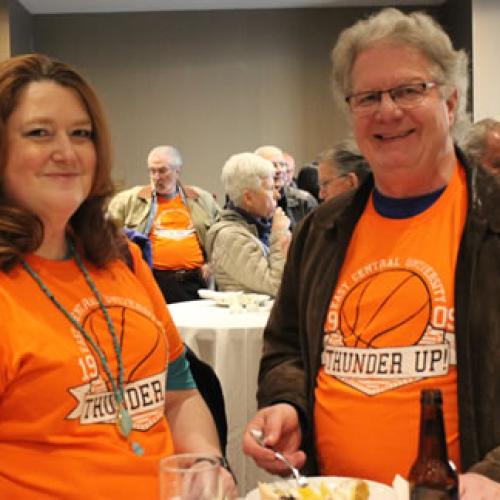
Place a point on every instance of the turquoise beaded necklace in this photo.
(123, 419)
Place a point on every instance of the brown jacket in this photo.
(294, 334)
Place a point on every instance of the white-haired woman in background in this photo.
(247, 245)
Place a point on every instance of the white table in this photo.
(232, 344)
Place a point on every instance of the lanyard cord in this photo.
(117, 385)
(124, 421)
(152, 213)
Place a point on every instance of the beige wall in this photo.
(21, 29)
(486, 40)
(4, 30)
(16, 29)
(211, 83)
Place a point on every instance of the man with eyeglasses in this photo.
(392, 288)
(340, 169)
(295, 202)
(405, 96)
(174, 218)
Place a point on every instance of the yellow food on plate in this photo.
(348, 489)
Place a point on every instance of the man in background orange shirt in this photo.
(175, 218)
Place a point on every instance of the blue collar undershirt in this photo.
(403, 208)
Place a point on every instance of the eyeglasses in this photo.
(282, 164)
(404, 96)
(161, 170)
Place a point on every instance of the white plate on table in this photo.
(227, 299)
(220, 298)
(378, 491)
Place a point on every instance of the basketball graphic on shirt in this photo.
(122, 317)
(143, 390)
(389, 308)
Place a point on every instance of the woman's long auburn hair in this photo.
(21, 231)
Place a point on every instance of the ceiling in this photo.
(87, 6)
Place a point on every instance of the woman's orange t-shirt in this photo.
(58, 437)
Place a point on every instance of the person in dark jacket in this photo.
(307, 179)
(392, 288)
(295, 202)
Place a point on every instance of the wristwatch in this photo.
(224, 463)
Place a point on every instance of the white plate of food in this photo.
(238, 298)
(323, 488)
(220, 298)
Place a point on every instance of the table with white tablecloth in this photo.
(230, 342)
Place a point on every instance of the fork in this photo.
(258, 435)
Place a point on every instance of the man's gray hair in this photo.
(475, 140)
(417, 30)
(172, 154)
(244, 171)
(267, 151)
(346, 158)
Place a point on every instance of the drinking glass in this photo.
(190, 476)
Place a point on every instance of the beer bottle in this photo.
(432, 476)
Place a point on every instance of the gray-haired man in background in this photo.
(295, 202)
(175, 218)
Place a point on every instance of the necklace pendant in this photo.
(123, 420)
(137, 448)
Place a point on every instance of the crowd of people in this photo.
(384, 276)
(191, 243)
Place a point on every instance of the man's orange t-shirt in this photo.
(173, 237)
(389, 333)
(58, 434)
